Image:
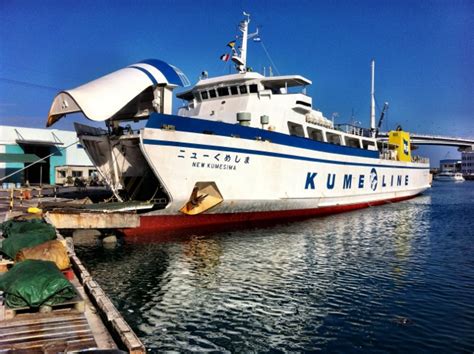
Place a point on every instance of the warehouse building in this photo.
(450, 165)
(20, 147)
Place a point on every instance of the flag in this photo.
(225, 57)
(231, 44)
(257, 39)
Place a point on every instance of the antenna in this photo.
(372, 101)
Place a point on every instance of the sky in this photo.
(424, 53)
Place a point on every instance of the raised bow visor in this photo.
(129, 93)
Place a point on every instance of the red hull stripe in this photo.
(158, 225)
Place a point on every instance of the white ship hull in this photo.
(450, 177)
(263, 175)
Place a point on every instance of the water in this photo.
(392, 278)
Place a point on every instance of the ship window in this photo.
(243, 89)
(353, 142)
(368, 145)
(295, 129)
(223, 91)
(233, 90)
(316, 134)
(212, 93)
(333, 138)
(303, 103)
(253, 88)
(204, 95)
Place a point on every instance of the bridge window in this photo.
(316, 134)
(212, 93)
(223, 91)
(204, 95)
(353, 142)
(234, 90)
(303, 103)
(243, 89)
(368, 145)
(334, 138)
(295, 129)
(253, 88)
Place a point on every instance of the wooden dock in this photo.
(48, 333)
(66, 328)
(88, 322)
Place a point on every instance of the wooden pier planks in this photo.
(110, 315)
(47, 332)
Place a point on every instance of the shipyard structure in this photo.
(64, 157)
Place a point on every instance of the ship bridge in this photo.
(463, 144)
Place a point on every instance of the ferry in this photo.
(244, 148)
(449, 177)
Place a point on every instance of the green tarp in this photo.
(35, 283)
(21, 234)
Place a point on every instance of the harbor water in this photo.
(393, 278)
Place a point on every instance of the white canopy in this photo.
(106, 96)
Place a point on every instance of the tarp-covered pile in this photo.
(22, 234)
(35, 283)
(35, 280)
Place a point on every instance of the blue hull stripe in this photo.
(270, 154)
(200, 126)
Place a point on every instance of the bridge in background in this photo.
(462, 144)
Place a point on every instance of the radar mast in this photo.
(240, 60)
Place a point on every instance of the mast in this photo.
(241, 60)
(372, 100)
(244, 27)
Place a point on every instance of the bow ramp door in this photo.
(131, 93)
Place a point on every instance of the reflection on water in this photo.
(390, 278)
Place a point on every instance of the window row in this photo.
(226, 91)
(296, 129)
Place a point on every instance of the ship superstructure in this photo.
(244, 147)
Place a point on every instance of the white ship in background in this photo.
(244, 148)
(449, 177)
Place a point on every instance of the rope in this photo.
(269, 58)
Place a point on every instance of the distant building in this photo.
(21, 146)
(467, 167)
(450, 166)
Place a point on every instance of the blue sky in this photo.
(424, 52)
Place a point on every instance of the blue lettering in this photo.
(361, 181)
(330, 184)
(399, 180)
(310, 180)
(391, 183)
(383, 181)
(406, 180)
(347, 181)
